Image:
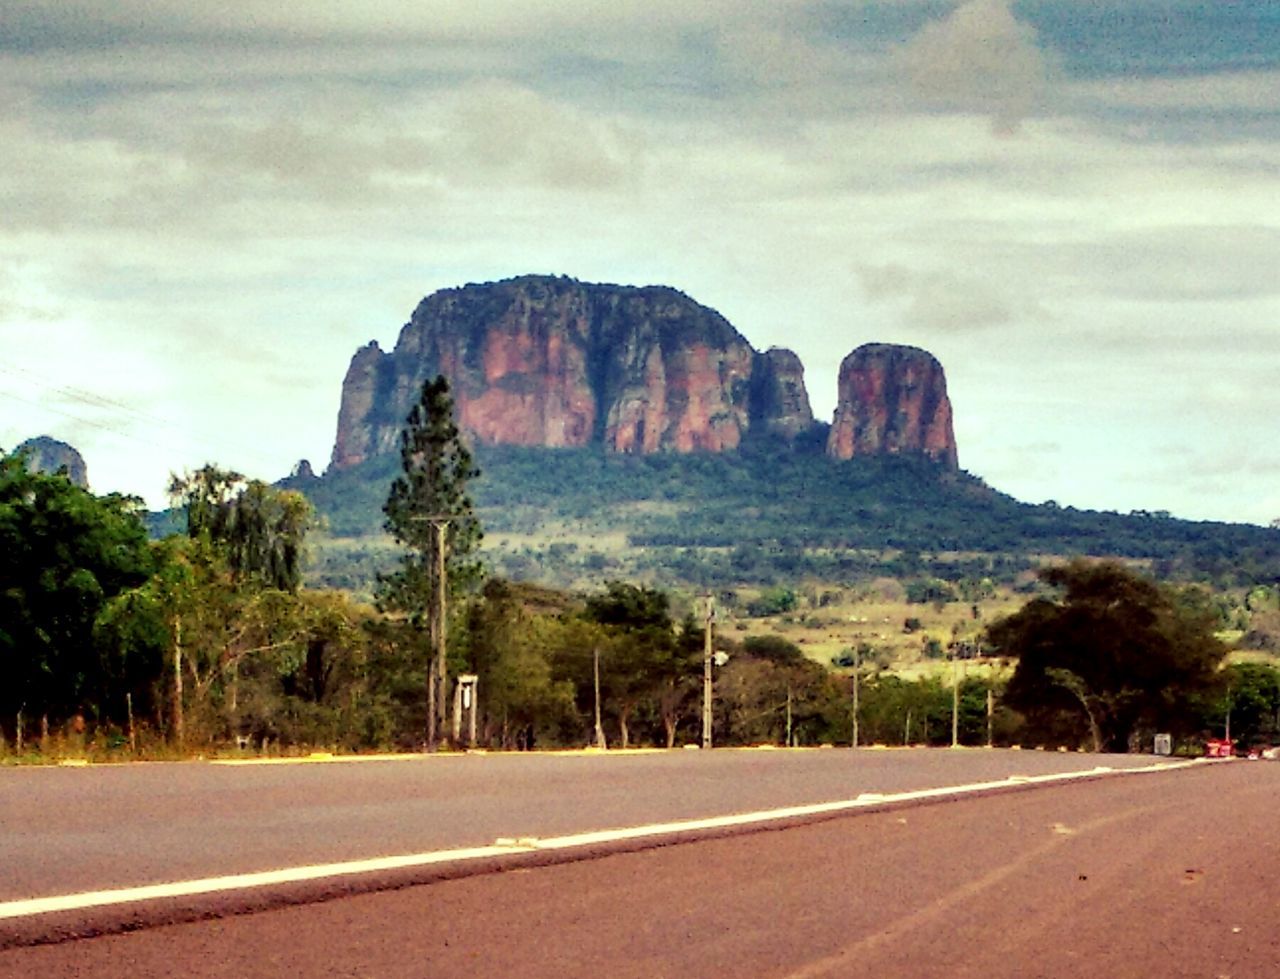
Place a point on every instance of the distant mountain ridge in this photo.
(557, 363)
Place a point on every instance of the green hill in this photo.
(766, 515)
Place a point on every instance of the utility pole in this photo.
(133, 737)
(595, 669)
(437, 667)
(857, 670)
(439, 622)
(707, 653)
(989, 714)
(178, 733)
(955, 701)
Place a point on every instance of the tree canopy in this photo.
(1111, 647)
(436, 467)
(64, 553)
(429, 512)
(261, 529)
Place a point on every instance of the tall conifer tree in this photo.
(427, 508)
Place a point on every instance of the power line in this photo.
(181, 439)
(80, 394)
(66, 414)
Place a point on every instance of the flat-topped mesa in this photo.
(557, 363)
(553, 362)
(892, 400)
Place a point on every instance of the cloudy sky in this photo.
(1074, 204)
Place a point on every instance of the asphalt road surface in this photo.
(1164, 874)
(76, 829)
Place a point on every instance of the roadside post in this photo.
(465, 702)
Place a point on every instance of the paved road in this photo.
(1170, 874)
(69, 830)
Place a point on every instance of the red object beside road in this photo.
(1215, 748)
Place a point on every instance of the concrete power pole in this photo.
(955, 701)
(437, 666)
(707, 654)
(178, 733)
(442, 663)
(990, 712)
(857, 670)
(595, 672)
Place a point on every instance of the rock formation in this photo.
(367, 423)
(892, 399)
(48, 455)
(553, 362)
(558, 363)
(779, 399)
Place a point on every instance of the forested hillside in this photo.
(116, 646)
(768, 515)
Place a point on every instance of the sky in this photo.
(1074, 204)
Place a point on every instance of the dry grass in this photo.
(869, 617)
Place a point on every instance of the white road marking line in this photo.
(524, 844)
(231, 882)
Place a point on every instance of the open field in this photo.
(829, 618)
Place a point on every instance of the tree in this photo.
(510, 649)
(768, 700)
(428, 511)
(630, 607)
(773, 648)
(213, 656)
(205, 496)
(64, 553)
(681, 676)
(640, 659)
(898, 711)
(226, 598)
(261, 529)
(1246, 702)
(1118, 650)
(204, 626)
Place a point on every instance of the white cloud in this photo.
(497, 131)
(980, 58)
(207, 209)
(1247, 91)
(943, 300)
(90, 23)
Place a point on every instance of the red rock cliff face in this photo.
(892, 399)
(357, 440)
(558, 363)
(520, 375)
(553, 362)
(675, 375)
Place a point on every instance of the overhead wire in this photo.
(180, 439)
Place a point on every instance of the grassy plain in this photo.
(874, 618)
